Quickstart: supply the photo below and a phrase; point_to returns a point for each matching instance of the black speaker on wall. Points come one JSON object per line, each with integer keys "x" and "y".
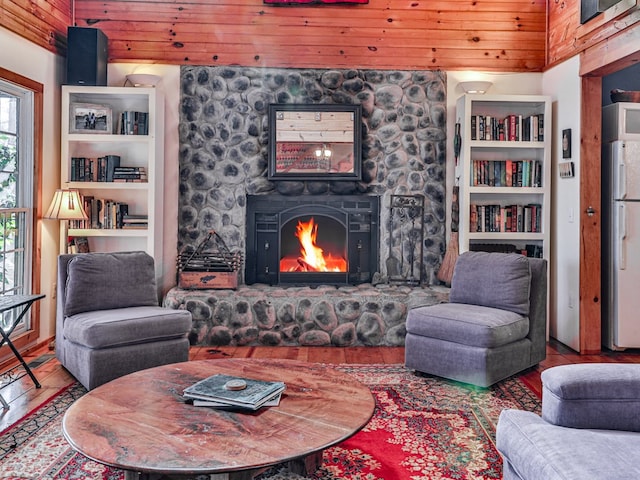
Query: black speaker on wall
{"x": 86, "y": 56}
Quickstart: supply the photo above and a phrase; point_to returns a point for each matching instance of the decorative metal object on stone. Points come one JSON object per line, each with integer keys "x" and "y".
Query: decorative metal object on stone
{"x": 214, "y": 268}
{"x": 406, "y": 239}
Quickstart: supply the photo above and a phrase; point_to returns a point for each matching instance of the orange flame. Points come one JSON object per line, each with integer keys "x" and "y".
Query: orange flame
{"x": 312, "y": 258}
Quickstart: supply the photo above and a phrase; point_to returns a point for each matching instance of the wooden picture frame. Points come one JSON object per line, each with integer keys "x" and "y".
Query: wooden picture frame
{"x": 315, "y": 142}
{"x": 90, "y": 118}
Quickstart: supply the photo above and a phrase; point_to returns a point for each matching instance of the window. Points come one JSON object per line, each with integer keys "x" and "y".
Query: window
{"x": 17, "y": 172}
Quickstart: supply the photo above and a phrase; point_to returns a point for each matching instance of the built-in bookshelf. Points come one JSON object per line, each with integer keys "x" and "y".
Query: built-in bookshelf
{"x": 112, "y": 152}
{"x": 504, "y": 173}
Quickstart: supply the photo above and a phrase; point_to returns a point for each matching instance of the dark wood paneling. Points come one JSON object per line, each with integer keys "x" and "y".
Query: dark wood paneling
{"x": 412, "y": 34}
{"x": 568, "y": 38}
{"x": 43, "y": 23}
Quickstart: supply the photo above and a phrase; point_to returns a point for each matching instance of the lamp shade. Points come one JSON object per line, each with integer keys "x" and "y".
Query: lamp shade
{"x": 66, "y": 205}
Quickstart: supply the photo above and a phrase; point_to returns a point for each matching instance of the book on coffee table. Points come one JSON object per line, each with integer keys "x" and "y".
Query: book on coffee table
{"x": 233, "y": 391}
{"x": 273, "y": 402}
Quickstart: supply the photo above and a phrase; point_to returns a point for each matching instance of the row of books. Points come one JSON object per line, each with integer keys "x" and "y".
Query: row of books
{"x": 229, "y": 392}
{"x": 100, "y": 169}
{"x": 506, "y": 173}
{"x": 108, "y": 214}
{"x": 133, "y": 123}
{"x": 104, "y": 169}
{"x": 513, "y": 128}
{"x": 529, "y": 250}
{"x": 506, "y": 218}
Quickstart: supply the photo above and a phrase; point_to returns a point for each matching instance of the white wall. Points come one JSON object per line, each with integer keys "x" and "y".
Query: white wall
{"x": 563, "y": 84}
{"x": 24, "y": 58}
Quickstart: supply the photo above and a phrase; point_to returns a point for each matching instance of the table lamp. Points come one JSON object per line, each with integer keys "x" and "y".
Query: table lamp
{"x": 66, "y": 205}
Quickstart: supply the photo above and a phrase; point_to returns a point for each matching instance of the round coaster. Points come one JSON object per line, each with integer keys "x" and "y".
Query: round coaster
{"x": 235, "y": 385}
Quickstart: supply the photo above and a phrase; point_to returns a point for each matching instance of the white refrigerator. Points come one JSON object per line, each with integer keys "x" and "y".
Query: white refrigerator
{"x": 621, "y": 242}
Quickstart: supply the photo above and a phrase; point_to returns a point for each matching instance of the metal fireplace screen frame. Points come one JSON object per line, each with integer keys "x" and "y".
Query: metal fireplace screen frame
{"x": 266, "y": 215}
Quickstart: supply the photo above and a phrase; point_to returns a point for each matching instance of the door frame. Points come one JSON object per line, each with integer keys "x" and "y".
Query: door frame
{"x": 609, "y": 56}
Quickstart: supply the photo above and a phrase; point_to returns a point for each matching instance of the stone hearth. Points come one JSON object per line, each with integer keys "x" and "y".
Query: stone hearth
{"x": 363, "y": 315}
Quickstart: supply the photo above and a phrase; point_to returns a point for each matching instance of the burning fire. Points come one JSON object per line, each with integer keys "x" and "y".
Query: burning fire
{"x": 312, "y": 257}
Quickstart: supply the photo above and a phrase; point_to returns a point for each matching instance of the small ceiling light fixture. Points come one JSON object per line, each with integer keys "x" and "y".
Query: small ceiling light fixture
{"x": 475, "y": 87}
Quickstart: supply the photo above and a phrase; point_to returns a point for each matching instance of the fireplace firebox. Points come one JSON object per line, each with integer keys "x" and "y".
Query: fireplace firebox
{"x": 311, "y": 240}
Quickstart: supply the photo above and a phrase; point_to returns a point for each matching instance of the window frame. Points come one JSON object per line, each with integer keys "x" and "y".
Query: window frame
{"x": 30, "y": 336}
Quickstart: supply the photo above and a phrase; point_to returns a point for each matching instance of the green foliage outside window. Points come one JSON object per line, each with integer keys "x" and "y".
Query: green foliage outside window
{"x": 8, "y": 220}
{"x": 8, "y": 159}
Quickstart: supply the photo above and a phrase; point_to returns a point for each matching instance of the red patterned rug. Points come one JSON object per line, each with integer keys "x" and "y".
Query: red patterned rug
{"x": 424, "y": 428}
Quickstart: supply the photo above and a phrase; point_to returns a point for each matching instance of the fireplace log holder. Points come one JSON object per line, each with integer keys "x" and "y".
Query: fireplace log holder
{"x": 217, "y": 268}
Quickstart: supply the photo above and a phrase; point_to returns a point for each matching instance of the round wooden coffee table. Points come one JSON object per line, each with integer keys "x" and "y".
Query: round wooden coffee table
{"x": 141, "y": 424}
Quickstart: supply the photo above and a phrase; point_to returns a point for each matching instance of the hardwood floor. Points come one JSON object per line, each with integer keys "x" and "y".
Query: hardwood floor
{"x": 24, "y": 397}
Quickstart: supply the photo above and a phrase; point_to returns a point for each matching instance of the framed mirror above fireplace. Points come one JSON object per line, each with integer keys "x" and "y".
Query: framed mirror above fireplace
{"x": 313, "y": 142}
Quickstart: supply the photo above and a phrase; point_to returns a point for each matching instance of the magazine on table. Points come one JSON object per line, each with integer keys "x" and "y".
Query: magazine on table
{"x": 234, "y": 391}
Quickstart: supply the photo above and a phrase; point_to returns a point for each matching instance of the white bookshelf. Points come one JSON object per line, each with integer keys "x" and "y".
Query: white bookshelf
{"x": 499, "y": 194}
{"x": 145, "y": 198}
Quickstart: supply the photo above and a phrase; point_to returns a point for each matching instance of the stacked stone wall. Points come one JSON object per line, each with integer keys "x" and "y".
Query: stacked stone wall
{"x": 223, "y": 158}
{"x": 224, "y": 139}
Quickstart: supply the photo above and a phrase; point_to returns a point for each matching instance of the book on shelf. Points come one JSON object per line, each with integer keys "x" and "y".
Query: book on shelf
{"x": 130, "y": 174}
{"x": 529, "y": 250}
{"x": 505, "y": 218}
{"x": 103, "y": 213}
{"x": 221, "y": 388}
{"x": 89, "y": 169}
{"x": 133, "y": 123}
{"x": 135, "y": 221}
{"x": 506, "y": 173}
{"x": 513, "y": 128}
{"x": 78, "y": 245}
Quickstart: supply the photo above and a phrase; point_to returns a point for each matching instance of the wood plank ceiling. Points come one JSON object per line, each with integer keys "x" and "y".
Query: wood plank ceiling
{"x": 497, "y": 35}
{"x": 404, "y": 34}
{"x": 491, "y": 35}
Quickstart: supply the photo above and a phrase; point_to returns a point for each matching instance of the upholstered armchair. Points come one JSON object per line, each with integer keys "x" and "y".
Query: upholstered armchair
{"x": 589, "y": 428}
{"x": 108, "y": 319}
{"x": 494, "y": 325}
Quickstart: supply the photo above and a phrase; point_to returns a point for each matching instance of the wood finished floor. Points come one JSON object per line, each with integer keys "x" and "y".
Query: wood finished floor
{"x": 24, "y": 397}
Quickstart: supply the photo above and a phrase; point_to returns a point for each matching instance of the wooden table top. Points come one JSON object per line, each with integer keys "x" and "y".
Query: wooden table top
{"x": 140, "y": 422}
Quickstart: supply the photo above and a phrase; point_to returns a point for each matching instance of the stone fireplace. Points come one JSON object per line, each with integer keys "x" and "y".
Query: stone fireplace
{"x": 342, "y": 229}
{"x": 224, "y": 134}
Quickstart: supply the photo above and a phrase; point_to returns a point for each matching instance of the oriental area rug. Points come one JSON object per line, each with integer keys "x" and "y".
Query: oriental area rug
{"x": 423, "y": 428}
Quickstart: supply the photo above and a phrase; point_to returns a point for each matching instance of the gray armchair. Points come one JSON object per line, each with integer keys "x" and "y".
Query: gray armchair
{"x": 589, "y": 429}
{"x": 108, "y": 319}
{"x": 494, "y": 325}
